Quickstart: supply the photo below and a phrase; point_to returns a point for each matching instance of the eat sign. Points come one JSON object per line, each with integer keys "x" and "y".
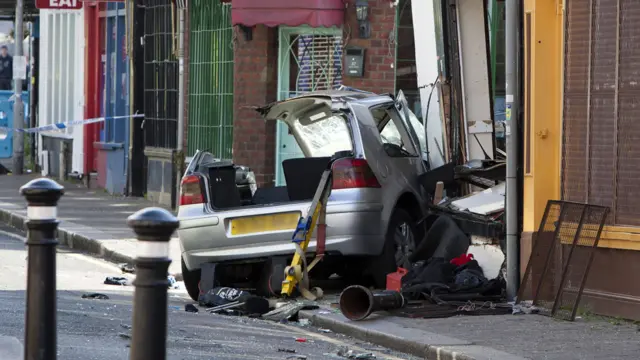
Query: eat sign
{"x": 59, "y": 4}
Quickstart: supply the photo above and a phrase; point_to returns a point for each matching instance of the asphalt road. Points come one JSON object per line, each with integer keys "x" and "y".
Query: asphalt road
{"x": 99, "y": 329}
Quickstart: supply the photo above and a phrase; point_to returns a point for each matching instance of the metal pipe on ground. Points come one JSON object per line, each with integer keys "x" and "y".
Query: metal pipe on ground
{"x": 357, "y": 302}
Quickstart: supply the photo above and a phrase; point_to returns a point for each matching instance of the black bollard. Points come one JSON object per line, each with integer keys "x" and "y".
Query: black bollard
{"x": 40, "y": 335}
{"x": 153, "y": 227}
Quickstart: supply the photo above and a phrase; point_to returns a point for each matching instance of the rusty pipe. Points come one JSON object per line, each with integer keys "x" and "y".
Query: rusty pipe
{"x": 357, "y": 302}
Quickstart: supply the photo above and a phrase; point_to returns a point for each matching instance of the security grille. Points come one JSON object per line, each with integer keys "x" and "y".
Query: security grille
{"x": 210, "y": 78}
{"x": 314, "y": 62}
{"x": 602, "y": 107}
{"x": 160, "y": 75}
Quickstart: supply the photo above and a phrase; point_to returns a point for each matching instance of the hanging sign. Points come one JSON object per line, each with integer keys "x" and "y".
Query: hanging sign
{"x": 59, "y": 4}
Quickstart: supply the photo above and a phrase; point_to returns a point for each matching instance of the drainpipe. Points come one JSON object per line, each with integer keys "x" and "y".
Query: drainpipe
{"x": 18, "y": 107}
{"x": 181, "y": 5}
{"x": 512, "y": 32}
{"x": 181, "y": 92}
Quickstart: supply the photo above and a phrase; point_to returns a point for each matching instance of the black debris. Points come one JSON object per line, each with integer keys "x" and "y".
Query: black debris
{"x": 291, "y": 351}
{"x": 96, "y": 296}
{"x": 127, "y": 268}
{"x": 124, "y": 336}
{"x": 115, "y": 280}
{"x": 190, "y": 308}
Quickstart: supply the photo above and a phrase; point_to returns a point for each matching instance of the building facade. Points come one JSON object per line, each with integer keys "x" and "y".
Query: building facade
{"x": 580, "y": 111}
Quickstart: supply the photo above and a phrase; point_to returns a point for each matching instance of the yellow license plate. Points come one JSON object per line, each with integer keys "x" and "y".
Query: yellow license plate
{"x": 264, "y": 223}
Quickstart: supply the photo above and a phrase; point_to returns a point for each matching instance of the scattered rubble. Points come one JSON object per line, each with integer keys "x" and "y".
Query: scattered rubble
{"x": 96, "y": 296}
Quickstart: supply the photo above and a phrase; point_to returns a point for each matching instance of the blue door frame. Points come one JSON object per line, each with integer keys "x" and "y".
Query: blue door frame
{"x": 6, "y": 120}
{"x": 115, "y": 134}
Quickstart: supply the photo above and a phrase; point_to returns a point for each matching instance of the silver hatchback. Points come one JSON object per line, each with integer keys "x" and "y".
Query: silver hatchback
{"x": 375, "y": 202}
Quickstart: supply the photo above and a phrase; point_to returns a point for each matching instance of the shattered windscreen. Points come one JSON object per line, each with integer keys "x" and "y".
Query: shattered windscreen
{"x": 325, "y": 137}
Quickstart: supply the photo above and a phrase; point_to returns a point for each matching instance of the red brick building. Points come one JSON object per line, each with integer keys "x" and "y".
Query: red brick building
{"x": 280, "y": 50}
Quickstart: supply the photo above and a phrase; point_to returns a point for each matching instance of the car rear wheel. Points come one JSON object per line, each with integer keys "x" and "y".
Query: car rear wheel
{"x": 191, "y": 281}
{"x": 400, "y": 243}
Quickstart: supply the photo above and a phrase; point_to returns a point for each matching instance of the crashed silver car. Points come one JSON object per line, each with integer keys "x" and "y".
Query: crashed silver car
{"x": 373, "y": 209}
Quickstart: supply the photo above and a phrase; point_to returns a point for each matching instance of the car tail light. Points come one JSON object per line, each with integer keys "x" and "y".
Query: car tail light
{"x": 353, "y": 173}
{"x": 191, "y": 191}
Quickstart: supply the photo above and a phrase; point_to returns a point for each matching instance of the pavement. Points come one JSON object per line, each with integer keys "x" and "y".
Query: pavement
{"x": 101, "y": 329}
{"x": 91, "y": 220}
{"x": 94, "y": 222}
{"x": 496, "y": 337}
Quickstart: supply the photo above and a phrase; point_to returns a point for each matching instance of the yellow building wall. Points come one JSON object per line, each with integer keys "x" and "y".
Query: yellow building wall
{"x": 543, "y": 36}
{"x": 544, "y": 57}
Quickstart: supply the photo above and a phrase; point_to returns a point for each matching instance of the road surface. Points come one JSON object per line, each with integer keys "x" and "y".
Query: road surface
{"x": 99, "y": 329}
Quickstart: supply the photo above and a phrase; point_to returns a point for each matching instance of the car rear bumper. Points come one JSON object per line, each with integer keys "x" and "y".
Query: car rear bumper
{"x": 349, "y": 233}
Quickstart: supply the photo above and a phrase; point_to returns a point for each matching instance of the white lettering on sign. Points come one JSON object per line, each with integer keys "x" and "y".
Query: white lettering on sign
{"x": 63, "y": 3}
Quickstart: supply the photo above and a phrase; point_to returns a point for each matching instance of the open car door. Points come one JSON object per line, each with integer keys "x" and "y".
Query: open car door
{"x": 416, "y": 131}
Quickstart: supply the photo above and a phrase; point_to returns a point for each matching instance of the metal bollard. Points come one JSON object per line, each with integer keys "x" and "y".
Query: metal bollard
{"x": 40, "y": 335}
{"x": 153, "y": 227}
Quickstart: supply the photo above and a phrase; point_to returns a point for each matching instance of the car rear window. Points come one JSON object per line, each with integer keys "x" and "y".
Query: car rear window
{"x": 325, "y": 137}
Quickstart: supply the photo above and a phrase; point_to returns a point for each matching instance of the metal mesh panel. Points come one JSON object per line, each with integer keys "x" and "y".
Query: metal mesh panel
{"x": 211, "y": 78}
{"x": 577, "y": 259}
{"x": 561, "y": 257}
{"x": 160, "y": 75}
{"x": 535, "y": 286}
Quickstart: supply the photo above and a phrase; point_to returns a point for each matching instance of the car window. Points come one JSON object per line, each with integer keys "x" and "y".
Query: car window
{"x": 394, "y": 137}
{"x": 325, "y": 137}
{"x": 419, "y": 128}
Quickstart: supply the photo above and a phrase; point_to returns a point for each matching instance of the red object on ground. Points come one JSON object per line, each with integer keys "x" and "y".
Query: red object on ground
{"x": 301, "y": 340}
{"x": 462, "y": 259}
{"x": 394, "y": 280}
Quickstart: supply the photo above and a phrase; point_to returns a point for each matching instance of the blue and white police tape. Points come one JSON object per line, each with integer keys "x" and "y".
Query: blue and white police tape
{"x": 4, "y": 131}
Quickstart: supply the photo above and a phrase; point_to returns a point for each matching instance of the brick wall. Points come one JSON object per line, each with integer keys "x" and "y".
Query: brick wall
{"x": 256, "y": 64}
{"x": 255, "y": 73}
{"x": 379, "y": 74}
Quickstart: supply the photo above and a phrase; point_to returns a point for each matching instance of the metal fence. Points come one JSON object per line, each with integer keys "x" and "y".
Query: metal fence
{"x": 211, "y": 73}
{"x": 160, "y": 74}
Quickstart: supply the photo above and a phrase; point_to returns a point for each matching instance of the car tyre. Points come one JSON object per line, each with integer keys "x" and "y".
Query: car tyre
{"x": 400, "y": 243}
{"x": 191, "y": 281}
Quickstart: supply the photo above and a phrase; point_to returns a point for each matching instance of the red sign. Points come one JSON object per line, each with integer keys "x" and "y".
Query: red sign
{"x": 59, "y": 4}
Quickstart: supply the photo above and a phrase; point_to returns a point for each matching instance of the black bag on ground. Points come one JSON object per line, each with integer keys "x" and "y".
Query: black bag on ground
{"x": 222, "y": 296}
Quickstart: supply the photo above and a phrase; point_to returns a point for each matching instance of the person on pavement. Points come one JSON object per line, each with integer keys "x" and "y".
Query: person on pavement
{"x": 6, "y": 68}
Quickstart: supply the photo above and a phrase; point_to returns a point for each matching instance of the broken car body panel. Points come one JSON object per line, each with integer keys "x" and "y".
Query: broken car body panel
{"x": 357, "y": 218}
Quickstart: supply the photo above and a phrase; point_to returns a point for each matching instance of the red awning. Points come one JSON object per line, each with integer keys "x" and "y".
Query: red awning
{"x": 315, "y": 13}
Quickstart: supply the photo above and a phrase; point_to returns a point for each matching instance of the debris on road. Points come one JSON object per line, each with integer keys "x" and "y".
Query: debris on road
{"x": 96, "y": 296}
{"x": 125, "y": 326}
{"x": 190, "y": 308}
{"x": 301, "y": 340}
{"x": 127, "y": 268}
{"x": 289, "y": 311}
{"x": 350, "y": 354}
{"x": 116, "y": 280}
{"x": 291, "y": 351}
{"x": 172, "y": 281}
{"x": 326, "y": 331}
{"x": 124, "y": 336}
{"x": 297, "y": 357}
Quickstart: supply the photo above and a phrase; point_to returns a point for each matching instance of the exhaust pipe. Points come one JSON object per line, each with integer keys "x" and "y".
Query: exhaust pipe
{"x": 357, "y": 302}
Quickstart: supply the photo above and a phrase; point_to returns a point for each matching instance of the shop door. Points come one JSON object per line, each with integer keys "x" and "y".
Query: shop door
{"x": 210, "y": 78}
{"x": 116, "y": 83}
{"x": 309, "y": 59}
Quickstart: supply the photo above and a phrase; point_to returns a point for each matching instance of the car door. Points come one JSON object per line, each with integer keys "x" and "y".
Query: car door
{"x": 417, "y": 134}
